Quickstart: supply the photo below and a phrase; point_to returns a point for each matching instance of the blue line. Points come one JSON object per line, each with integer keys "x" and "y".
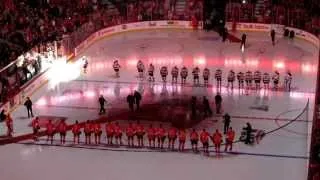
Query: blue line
{"x": 103, "y": 147}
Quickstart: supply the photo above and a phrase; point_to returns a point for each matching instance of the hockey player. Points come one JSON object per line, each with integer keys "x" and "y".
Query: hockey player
{"x": 249, "y": 79}
{"x": 140, "y": 133}
{"x": 218, "y": 77}
{"x": 116, "y": 67}
{"x": 206, "y": 75}
{"x": 257, "y": 79}
{"x": 85, "y": 63}
{"x": 184, "y": 75}
{"x": 151, "y": 71}
{"x": 130, "y": 135}
{"x": 276, "y": 78}
{"x": 62, "y": 128}
{"x": 195, "y": 73}
{"x": 87, "y": 132}
{"x": 266, "y": 80}
{"x": 240, "y": 77}
{"x": 172, "y": 136}
{"x": 194, "y": 138}
{"x": 110, "y": 133}
{"x": 287, "y": 81}
{"x": 76, "y": 132}
{"x": 217, "y": 140}
{"x": 161, "y": 136}
{"x": 9, "y": 124}
{"x": 273, "y": 36}
{"x": 182, "y": 139}
{"x": 35, "y": 126}
{"x": 174, "y": 74}
{"x": 50, "y": 131}
{"x": 97, "y": 133}
{"x": 231, "y": 78}
{"x": 164, "y": 73}
{"x": 204, "y": 138}
{"x": 151, "y": 136}
{"x": 229, "y": 139}
{"x": 243, "y": 42}
{"x": 140, "y": 68}
{"x": 118, "y": 134}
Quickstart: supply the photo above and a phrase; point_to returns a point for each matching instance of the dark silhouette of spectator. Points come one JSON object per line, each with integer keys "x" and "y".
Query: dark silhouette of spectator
{"x": 137, "y": 98}
{"x": 218, "y": 101}
{"x": 193, "y": 107}
{"x": 130, "y": 101}
{"x": 28, "y": 105}
{"x": 206, "y": 107}
{"x": 226, "y": 122}
{"x": 101, "y": 102}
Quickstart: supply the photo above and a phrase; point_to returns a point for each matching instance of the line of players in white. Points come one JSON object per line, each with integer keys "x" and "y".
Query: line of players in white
{"x": 248, "y": 77}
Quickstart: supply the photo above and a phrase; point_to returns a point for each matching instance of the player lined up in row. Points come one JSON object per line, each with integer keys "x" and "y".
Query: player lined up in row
{"x": 154, "y": 135}
{"x": 247, "y": 77}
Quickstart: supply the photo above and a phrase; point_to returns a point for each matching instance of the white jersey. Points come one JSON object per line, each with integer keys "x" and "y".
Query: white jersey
{"x": 248, "y": 76}
{"x": 116, "y": 66}
{"x": 240, "y": 76}
{"x": 231, "y": 76}
{"x": 196, "y": 72}
{"x": 151, "y": 68}
{"x": 184, "y": 72}
{"x": 288, "y": 78}
{"x": 276, "y": 77}
{"x": 175, "y": 72}
{"x": 164, "y": 71}
{"x": 140, "y": 66}
{"x": 206, "y": 73}
{"x": 266, "y": 78}
{"x": 218, "y": 74}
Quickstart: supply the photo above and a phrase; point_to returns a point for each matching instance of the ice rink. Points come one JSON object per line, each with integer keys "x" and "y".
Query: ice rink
{"x": 282, "y": 154}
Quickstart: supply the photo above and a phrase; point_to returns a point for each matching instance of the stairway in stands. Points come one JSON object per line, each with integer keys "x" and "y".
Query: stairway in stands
{"x": 180, "y": 7}
{"x": 259, "y": 8}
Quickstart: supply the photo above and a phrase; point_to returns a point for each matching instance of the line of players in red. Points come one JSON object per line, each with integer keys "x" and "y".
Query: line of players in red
{"x": 155, "y": 135}
{"x": 247, "y": 77}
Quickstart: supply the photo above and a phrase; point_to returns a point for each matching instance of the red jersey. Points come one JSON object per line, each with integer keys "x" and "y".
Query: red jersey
{"x": 194, "y": 136}
{"x": 109, "y": 129}
{"x": 140, "y": 129}
{"x": 172, "y": 133}
{"x": 217, "y": 138}
{"x": 161, "y": 132}
{"x": 76, "y": 129}
{"x": 204, "y": 137}
{"x": 182, "y": 135}
{"x": 87, "y": 128}
{"x": 35, "y": 124}
{"x": 130, "y": 131}
{"x": 97, "y": 128}
{"x": 230, "y": 135}
{"x": 117, "y": 130}
{"x": 151, "y": 132}
{"x": 50, "y": 128}
{"x": 62, "y": 127}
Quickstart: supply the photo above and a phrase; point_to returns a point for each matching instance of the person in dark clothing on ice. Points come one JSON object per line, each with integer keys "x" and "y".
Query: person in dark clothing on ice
{"x": 218, "y": 101}
{"x": 101, "y": 102}
{"x": 273, "y": 36}
{"x": 243, "y": 41}
{"x": 130, "y": 100}
{"x": 28, "y": 105}
{"x": 137, "y": 98}
{"x": 226, "y": 122}
{"x": 193, "y": 107}
{"x": 206, "y": 107}
{"x": 248, "y": 130}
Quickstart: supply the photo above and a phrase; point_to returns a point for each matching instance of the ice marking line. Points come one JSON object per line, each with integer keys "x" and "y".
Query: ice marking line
{"x": 178, "y": 84}
{"x": 103, "y": 147}
{"x": 235, "y": 117}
